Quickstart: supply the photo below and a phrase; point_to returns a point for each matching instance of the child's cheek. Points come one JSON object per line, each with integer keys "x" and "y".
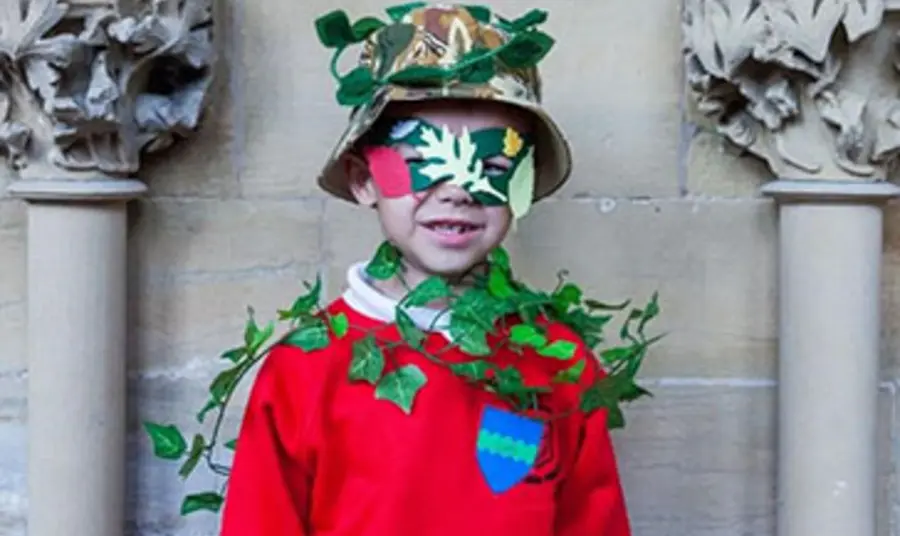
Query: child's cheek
{"x": 389, "y": 171}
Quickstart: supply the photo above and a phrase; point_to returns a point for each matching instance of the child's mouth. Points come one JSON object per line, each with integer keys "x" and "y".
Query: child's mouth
{"x": 454, "y": 233}
{"x": 452, "y": 227}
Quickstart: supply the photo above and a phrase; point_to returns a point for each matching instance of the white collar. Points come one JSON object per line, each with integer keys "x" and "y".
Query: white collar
{"x": 365, "y": 299}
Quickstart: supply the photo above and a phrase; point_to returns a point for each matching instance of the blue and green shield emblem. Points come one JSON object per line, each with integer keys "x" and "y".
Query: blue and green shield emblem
{"x": 507, "y": 447}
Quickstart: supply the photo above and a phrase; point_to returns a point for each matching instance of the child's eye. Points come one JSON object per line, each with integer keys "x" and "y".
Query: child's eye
{"x": 494, "y": 169}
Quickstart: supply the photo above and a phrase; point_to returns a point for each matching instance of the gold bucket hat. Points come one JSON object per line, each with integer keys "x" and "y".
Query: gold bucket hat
{"x": 441, "y": 52}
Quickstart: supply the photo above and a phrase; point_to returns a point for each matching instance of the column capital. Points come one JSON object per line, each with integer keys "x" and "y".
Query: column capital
{"x": 805, "y": 94}
{"x": 89, "y": 87}
{"x": 859, "y": 192}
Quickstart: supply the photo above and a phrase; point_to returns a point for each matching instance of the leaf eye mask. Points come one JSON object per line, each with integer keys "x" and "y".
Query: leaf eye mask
{"x": 459, "y": 160}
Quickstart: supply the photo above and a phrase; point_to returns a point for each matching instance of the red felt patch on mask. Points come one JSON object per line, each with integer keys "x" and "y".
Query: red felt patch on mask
{"x": 389, "y": 171}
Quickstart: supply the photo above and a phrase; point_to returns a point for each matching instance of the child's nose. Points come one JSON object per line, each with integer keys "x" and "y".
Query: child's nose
{"x": 446, "y": 192}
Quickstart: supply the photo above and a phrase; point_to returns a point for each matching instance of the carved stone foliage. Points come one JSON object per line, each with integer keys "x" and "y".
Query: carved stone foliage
{"x": 768, "y": 74}
{"x": 89, "y": 86}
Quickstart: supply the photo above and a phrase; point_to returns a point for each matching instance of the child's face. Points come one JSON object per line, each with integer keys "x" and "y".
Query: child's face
{"x": 447, "y": 227}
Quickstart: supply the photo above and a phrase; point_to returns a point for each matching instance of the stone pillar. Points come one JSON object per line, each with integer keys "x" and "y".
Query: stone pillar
{"x": 78, "y": 111}
{"x": 76, "y": 346}
{"x": 828, "y": 126}
{"x": 830, "y": 246}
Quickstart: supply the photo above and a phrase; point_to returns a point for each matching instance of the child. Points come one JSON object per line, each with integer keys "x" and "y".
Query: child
{"x": 447, "y": 398}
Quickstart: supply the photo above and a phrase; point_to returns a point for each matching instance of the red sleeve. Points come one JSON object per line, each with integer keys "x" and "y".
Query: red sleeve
{"x": 591, "y": 499}
{"x": 269, "y": 485}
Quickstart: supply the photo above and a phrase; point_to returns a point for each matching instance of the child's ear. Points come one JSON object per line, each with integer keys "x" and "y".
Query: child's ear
{"x": 361, "y": 185}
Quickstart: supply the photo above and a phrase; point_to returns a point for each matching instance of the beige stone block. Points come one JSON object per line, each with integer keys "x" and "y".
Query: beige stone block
{"x": 716, "y": 169}
{"x": 700, "y": 459}
{"x": 12, "y": 285}
{"x": 614, "y": 82}
{"x": 173, "y": 237}
{"x": 291, "y": 119}
{"x": 713, "y": 264}
{"x": 351, "y": 234}
{"x": 183, "y": 326}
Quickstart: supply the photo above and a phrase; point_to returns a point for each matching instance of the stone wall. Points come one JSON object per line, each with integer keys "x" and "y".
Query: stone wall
{"x": 234, "y": 219}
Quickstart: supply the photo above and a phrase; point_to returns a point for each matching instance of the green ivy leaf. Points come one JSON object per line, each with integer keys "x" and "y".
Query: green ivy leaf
{"x": 365, "y": 27}
{"x": 470, "y": 336}
{"x": 334, "y": 30}
{"x": 211, "y": 404}
{"x": 410, "y": 333}
{"x": 196, "y": 452}
{"x": 593, "y": 398}
{"x": 500, "y": 257}
{"x": 305, "y": 304}
{"x": 231, "y": 445}
{"x": 601, "y": 306}
{"x": 559, "y": 349}
{"x": 168, "y": 443}
{"x": 386, "y": 262}
{"x": 615, "y": 418}
{"x": 526, "y": 49}
{"x": 616, "y": 354}
{"x": 419, "y": 75}
{"x": 209, "y": 501}
{"x": 499, "y": 284}
{"x": 224, "y": 383}
{"x": 356, "y": 87}
{"x": 429, "y": 290}
{"x": 401, "y": 386}
{"x": 568, "y": 295}
{"x": 309, "y": 337}
{"x": 527, "y": 335}
{"x": 235, "y": 354}
{"x": 572, "y": 374}
{"x": 474, "y": 370}
{"x": 397, "y": 12}
{"x": 340, "y": 324}
{"x": 631, "y": 391}
{"x": 367, "y": 363}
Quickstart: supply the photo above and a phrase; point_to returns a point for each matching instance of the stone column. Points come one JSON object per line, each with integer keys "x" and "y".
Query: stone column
{"x": 802, "y": 92}
{"x": 78, "y": 111}
{"x": 830, "y": 256}
{"x": 76, "y": 347}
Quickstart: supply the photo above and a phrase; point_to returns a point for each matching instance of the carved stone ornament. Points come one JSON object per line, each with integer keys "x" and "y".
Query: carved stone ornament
{"x": 89, "y": 86}
{"x": 770, "y": 75}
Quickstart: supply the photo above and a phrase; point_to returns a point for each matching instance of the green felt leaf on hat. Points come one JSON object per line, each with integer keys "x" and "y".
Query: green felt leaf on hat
{"x": 356, "y": 87}
{"x": 476, "y": 66}
{"x": 334, "y": 29}
{"x": 397, "y": 12}
{"x": 479, "y": 13}
{"x": 391, "y": 43}
{"x": 419, "y": 74}
{"x": 365, "y": 27}
{"x": 532, "y": 18}
{"x": 526, "y": 49}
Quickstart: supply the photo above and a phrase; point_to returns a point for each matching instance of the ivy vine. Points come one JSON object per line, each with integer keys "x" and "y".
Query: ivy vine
{"x": 481, "y": 310}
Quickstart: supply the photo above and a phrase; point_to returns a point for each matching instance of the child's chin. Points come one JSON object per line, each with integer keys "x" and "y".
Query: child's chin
{"x": 453, "y": 265}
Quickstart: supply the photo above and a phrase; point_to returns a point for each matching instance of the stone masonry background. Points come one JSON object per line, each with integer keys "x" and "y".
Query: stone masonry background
{"x": 234, "y": 219}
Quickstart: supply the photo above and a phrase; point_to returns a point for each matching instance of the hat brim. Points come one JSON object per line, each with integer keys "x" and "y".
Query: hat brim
{"x": 553, "y": 157}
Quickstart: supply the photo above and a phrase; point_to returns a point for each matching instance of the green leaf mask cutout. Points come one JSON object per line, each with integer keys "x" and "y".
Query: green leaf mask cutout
{"x": 461, "y": 160}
